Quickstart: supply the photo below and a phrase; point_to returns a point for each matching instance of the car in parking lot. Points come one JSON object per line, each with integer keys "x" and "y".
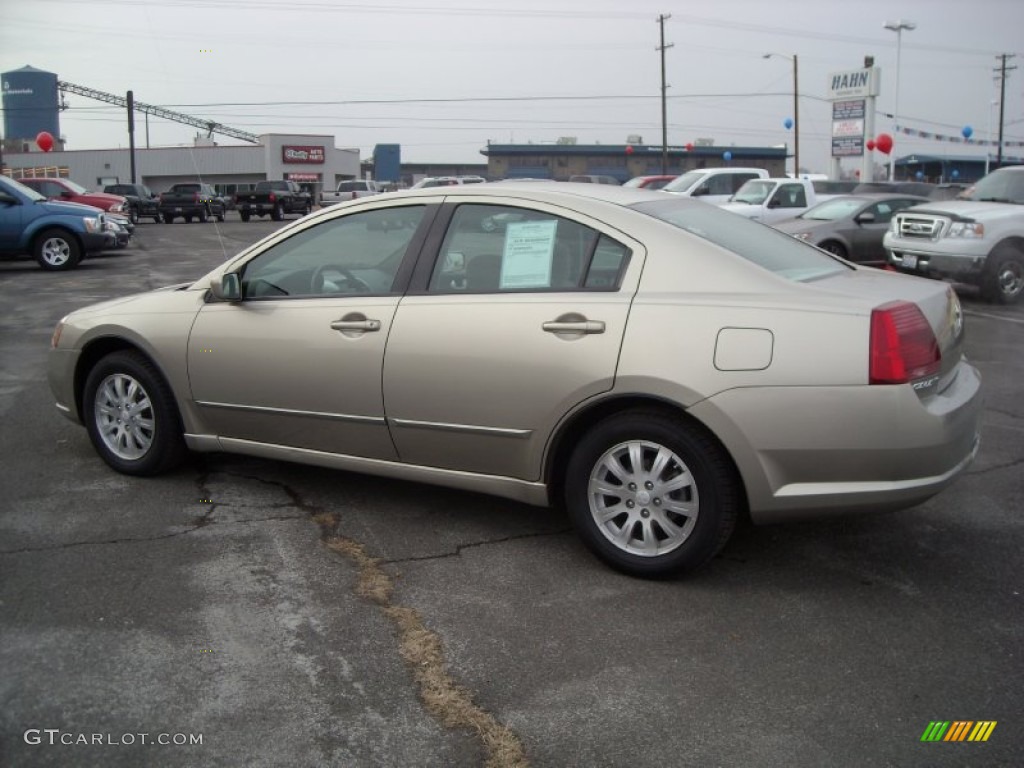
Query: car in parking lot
{"x": 56, "y": 234}
{"x": 447, "y": 181}
{"x": 70, "y": 192}
{"x": 659, "y": 366}
{"x": 142, "y": 201}
{"x": 649, "y": 182}
{"x": 850, "y": 226}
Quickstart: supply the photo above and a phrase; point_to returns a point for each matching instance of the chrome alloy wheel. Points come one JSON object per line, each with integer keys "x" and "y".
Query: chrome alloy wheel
{"x": 56, "y": 251}
{"x": 643, "y": 498}
{"x": 1010, "y": 278}
{"x": 124, "y": 416}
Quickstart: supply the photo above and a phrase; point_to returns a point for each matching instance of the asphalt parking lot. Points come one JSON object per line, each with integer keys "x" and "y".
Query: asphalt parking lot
{"x": 290, "y": 615}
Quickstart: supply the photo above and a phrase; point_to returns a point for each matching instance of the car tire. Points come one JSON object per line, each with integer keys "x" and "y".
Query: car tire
{"x": 188, "y": 219}
{"x": 220, "y": 216}
{"x": 133, "y": 214}
{"x": 671, "y": 514}
{"x": 244, "y": 215}
{"x": 204, "y": 216}
{"x": 278, "y": 213}
{"x": 157, "y": 219}
{"x": 1003, "y": 279}
{"x": 131, "y": 416}
{"x": 56, "y": 249}
{"x": 168, "y": 218}
{"x": 836, "y": 249}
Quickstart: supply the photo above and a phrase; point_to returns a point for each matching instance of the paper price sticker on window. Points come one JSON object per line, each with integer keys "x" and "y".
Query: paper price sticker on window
{"x": 526, "y": 262}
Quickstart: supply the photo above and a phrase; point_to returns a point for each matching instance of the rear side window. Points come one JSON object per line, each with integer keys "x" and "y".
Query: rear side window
{"x": 500, "y": 249}
{"x": 768, "y": 248}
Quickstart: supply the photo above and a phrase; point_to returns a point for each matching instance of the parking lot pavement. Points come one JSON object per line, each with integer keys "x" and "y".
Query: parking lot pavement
{"x": 289, "y": 614}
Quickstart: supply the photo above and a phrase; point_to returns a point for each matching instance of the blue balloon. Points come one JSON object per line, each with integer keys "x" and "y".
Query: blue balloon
{"x": 919, "y": 175}
{"x": 727, "y": 155}
{"x": 955, "y": 174}
{"x": 788, "y": 122}
{"x": 967, "y": 131}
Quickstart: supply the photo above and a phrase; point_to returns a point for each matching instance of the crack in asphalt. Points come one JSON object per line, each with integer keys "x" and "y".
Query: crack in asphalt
{"x": 486, "y": 542}
{"x": 995, "y": 468}
{"x": 449, "y": 702}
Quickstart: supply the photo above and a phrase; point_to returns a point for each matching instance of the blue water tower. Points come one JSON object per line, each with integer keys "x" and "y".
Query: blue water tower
{"x": 387, "y": 162}
{"x": 31, "y": 104}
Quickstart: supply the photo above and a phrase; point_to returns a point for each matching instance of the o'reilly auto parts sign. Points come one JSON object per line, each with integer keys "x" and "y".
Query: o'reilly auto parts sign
{"x": 302, "y": 154}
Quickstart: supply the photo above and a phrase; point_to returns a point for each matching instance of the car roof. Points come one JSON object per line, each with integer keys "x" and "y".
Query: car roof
{"x": 553, "y": 191}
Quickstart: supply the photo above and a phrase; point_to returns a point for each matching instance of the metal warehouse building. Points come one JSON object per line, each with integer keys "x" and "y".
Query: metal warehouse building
{"x": 311, "y": 160}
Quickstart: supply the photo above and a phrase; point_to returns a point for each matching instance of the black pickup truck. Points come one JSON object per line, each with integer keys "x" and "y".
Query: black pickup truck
{"x": 142, "y": 203}
{"x": 191, "y": 200}
{"x": 275, "y": 198}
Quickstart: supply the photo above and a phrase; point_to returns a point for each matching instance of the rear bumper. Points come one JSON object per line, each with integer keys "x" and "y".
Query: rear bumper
{"x": 807, "y": 452}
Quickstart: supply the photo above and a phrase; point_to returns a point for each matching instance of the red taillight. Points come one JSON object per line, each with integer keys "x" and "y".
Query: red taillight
{"x": 903, "y": 345}
{"x": 195, "y": 197}
{"x": 272, "y": 198}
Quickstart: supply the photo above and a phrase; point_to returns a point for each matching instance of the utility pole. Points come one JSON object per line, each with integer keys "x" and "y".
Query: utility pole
{"x": 664, "y": 87}
{"x": 131, "y": 131}
{"x": 1003, "y": 69}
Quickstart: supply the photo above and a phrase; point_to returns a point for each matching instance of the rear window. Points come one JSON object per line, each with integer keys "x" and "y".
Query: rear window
{"x": 768, "y": 248}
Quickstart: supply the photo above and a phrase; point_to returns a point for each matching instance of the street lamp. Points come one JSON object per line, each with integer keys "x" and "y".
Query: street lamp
{"x": 796, "y": 111}
{"x": 897, "y": 27}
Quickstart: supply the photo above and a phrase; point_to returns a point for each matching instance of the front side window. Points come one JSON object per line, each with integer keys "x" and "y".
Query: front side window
{"x": 356, "y": 254}
{"x": 497, "y": 249}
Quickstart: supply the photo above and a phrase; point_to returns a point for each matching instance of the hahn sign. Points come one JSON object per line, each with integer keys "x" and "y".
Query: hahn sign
{"x": 855, "y": 84}
{"x": 302, "y": 154}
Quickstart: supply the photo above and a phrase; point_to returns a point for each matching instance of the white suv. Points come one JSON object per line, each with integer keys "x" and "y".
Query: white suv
{"x": 447, "y": 181}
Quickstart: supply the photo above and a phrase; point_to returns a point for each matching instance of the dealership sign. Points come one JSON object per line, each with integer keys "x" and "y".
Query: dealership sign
{"x": 855, "y": 84}
{"x": 302, "y": 154}
{"x": 848, "y": 127}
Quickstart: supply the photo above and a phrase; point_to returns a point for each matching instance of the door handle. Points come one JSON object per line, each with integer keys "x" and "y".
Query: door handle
{"x": 356, "y": 325}
{"x": 579, "y": 326}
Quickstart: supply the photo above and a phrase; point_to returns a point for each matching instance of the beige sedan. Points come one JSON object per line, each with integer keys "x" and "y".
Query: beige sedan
{"x": 656, "y": 364}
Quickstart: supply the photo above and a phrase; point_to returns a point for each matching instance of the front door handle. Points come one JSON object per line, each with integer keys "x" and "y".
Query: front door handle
{"x": 574, "y": 326}
{"x": 356, "y": 325}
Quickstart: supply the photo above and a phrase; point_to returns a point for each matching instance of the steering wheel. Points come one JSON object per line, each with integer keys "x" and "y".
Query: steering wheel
{"x": 351, "y": 284}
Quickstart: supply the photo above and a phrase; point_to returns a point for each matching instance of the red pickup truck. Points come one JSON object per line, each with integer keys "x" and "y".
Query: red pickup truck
{"x": 69, "y": 192}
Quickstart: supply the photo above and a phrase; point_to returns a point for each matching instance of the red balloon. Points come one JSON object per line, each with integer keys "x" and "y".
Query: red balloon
{"x": 44, "y": 141}
{"x": 629, "y": 149}
{"x": 870, "y": 144}
{"x": 884, "y": 143}
{"x": 689, "y": 147}
{"x": 857, "y": 174}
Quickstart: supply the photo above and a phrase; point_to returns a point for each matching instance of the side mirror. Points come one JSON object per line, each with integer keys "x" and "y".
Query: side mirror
{"x": 865, "y": 218}
{"x": 703, "y": 189}
{"x": 226, "y": 287}
{"x": 774, "y": 203}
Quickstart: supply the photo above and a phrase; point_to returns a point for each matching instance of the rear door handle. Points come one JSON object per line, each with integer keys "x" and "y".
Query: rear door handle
{"x": 580, "y": 326}
{"x": 356, "y": 325}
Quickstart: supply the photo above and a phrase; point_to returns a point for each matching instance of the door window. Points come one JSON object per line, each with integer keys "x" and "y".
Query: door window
{"x": 356, "y": 254}
{"x": 492, "y": 248}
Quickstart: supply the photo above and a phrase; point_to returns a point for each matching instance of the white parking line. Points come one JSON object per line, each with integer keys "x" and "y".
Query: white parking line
{"x": 1018, "y": 320}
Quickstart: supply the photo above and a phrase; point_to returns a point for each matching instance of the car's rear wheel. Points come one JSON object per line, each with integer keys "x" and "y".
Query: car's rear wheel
{"x": 204, "y": 214}
{"x": 220, "y": 215}
{"x": 836, "y": 249}
{"x": 188, "y": 219}
{"x": 168, "y": 218}
{"x": 244, "y": 215}
{"x": 131, "y": 415}
{"x": 278, "y": 212}
{"x": 650, "y": 494}
{"x": 56, "y": 249}
{"x": 1003, "y": 280}
{"x": 133, "y": 214}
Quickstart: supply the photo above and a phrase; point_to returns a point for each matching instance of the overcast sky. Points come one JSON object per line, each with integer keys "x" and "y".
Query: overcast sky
{"x": 582, "y": 68}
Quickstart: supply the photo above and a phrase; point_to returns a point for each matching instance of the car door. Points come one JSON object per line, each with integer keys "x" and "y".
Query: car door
{"x": 866, "y": 237}
{"x": 516, "y": 319}
{"x": 297, "y": 361}
{"x": 11, "y": 222}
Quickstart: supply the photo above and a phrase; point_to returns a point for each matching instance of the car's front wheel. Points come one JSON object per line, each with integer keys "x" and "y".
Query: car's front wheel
{"x": 278, "y": 212}
{"x": 130, "y": 414}
{"x": 56, "y": 249}
{"x": 650, "y": 494}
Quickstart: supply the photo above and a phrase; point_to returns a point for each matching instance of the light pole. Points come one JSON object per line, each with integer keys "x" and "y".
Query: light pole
{"x": 988, "y": 135}
{"x": 796, "y": 110}
{"x": 897, "y": 26}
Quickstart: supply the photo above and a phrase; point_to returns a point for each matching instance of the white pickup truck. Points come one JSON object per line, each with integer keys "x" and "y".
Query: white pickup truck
{"x": 772, "y": 200}
{"x": 978, "y": 240}
{"x": 351, "y": 189}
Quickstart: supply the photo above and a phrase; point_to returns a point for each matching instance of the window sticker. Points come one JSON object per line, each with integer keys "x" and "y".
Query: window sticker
{"x": 526, "y": 262}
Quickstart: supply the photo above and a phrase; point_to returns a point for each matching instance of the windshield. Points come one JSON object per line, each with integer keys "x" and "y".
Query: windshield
{"x": 831, "y": 210}
{"x": 28, "y": 192}
{"x": 768, "y": 248}
{"x": 78, "y": 189}
{"x": 684, "y": 182}
{"x": 1003, "y": 186}
{"x": 753, "y": 192}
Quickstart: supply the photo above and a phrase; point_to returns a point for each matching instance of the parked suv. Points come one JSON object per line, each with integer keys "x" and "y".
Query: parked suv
{"x": 142, "y": 202}
{"x": 56, "y": 234}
